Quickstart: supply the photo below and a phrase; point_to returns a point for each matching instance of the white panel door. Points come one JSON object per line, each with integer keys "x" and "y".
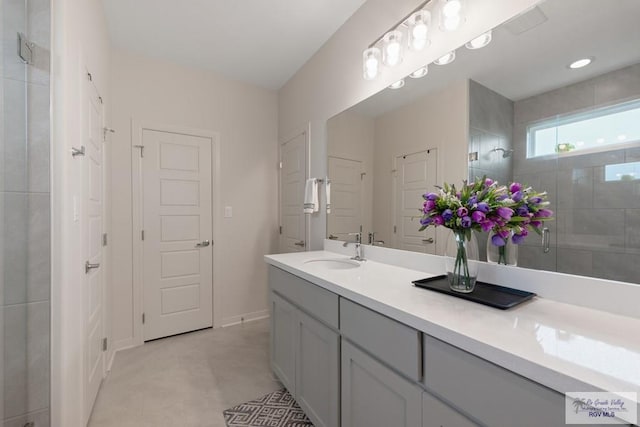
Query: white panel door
{"x": 293, "y": 173}
{"x": 346, "y": 197}
{"x": 92, "y": 211}
{"x": 177, "y": 233}
{"x": 415, "y": 175}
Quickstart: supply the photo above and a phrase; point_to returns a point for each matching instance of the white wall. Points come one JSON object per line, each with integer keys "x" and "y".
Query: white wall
{"x": 162, "y": 93}
{"x": 331, "y": 81}
{"x": 439, "y": 120}
{"x": 79, "y": 40}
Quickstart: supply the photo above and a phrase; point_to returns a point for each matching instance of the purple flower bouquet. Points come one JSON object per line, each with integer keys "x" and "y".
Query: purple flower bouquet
{"x": 483, "y": 205}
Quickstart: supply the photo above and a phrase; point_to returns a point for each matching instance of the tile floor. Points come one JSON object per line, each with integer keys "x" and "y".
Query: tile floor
{"x": 187, "y": 380}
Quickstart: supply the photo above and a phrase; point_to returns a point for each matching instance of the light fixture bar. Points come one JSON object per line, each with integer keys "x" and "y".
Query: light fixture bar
{"x": 401, "y": 22}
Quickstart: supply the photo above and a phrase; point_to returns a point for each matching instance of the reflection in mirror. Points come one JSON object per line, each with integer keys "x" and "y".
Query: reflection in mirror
{"x": 515, "y": 110}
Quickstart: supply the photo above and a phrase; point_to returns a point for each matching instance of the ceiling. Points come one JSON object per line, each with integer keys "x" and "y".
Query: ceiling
{"x": 535, "y": 61}
{"x": 258, "y": 42}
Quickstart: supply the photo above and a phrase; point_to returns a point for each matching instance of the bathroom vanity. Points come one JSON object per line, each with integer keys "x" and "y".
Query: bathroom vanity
{"x": 358, "y": 345}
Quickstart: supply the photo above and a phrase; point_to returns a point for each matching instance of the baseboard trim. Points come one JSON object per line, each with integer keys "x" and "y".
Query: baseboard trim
{"x": 243, "y": 318}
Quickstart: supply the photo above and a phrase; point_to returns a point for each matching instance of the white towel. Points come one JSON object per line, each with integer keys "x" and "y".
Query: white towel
{"x": 311, "y": 196}
{"x": 328, "y": 195}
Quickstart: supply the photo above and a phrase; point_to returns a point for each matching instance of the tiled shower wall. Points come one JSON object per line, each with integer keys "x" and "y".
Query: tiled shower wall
{"x": 597, "y": 227}
{"x": 25, "y": 216}
{"x": 490, "y": 126}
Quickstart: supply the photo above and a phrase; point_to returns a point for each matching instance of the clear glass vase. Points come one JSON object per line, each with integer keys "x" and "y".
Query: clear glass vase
{"x": 461, "y": 260}
{"x": 505, "y": 255}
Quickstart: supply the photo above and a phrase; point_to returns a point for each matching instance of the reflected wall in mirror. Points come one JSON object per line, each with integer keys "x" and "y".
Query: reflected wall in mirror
{"x": 514, "y": 110}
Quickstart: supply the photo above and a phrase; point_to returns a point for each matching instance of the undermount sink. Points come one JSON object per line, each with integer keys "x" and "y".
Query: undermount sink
{"x": 333, "y": 263}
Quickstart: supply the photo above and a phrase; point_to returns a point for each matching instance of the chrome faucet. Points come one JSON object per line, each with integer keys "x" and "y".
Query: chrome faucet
{"x": 358, "y": 244}
{"x": 373, "y": 241}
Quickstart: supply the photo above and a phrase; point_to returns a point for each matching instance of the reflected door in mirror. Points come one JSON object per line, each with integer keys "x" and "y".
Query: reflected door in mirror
{"x": 346, "y": 194}
{"x": 293, "y": 172}
{"x": 415, "y": 174}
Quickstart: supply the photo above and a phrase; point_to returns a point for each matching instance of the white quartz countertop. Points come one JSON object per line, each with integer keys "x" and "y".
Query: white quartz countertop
{"x": 562, "y": 346}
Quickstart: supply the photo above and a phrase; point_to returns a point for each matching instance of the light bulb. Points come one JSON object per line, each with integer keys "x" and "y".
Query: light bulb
{"x": 397, "y": 85}
{"x": 446, "y": 58}
{"x": 418, "y": 24}
{"x": 480, "y": 41}
{"x": 420, "y": 72}
{"x": 452, "y": 8}
{"x": 451, "y": 23}
{"x": 392, "y": 48}
{"x": 580, "y": 63}
{"x": 371, "y": 63}
{"x": 451, "y": 14}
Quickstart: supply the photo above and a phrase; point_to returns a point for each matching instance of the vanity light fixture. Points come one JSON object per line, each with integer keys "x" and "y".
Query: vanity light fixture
{"x": 580, "y": 63}
{"x": 451, "y": 14}
{"x": 420, "y": 72}
{"x": 418, "y": 27}
{"x": 397, "y": 85}
{"x": 445, "y": 59}
{"x": 392, "y": 48}
{"x": 371, "y": 63}
{"x": 480, "y": 41}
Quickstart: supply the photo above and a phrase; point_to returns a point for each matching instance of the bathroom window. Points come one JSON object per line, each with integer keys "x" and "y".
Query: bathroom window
{"x": 601, "y": 129}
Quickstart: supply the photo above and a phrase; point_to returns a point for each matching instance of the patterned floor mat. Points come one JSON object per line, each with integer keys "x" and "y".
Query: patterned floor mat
{"x": 277, "y": 409}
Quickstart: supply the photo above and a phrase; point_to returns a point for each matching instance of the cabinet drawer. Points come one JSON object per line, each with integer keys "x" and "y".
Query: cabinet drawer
{"x": 392, "y": 342}
{"x": 320, "y": 303}
{"x": 492, "y": 395}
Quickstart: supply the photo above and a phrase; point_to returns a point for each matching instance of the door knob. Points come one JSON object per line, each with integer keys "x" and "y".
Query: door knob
{"x": 429, "y": 240}
{"x": 88, "y": 267}
{"x": 300, "y": 243}
{"x": 203, "y": 244}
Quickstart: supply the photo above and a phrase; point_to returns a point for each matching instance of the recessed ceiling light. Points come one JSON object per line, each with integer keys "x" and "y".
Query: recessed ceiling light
{"x": 580, "y": 63}
{"x": 397, "y": 85}
{"x": 420, "y": 72}
{"x": 446, "y": 58}
{"x": 622, "y": 137}
{"x": 480, "y": 41}
{"x": 580, "y": 143}
{"x": 600, "y": 140}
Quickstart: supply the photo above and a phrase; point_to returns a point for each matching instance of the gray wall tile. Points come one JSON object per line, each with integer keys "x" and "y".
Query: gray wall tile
{"x": 15, "y": 136}
{"x": 615, "y": 194}
{"x": 39, "y": 418}
{"x": 632, "y": 228}
{"x": 26, "y": 358}
{"x": 27, "y": 264}
{"x": 575, "y": 261}
{"x": 616, "y": 266}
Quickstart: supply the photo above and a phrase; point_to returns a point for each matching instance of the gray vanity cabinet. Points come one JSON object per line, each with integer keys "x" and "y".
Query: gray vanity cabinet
{"x": 437, "y": 414}
{"x": 374, "y": 395}
{"x": 283, "y": 346}
{"x": 317, "y": 371}
{"x": 305, "y": 345}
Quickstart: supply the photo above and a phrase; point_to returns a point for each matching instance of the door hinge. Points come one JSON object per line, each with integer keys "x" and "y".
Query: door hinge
{"x": 280, "y": 165}
{"x": 141, "y": 147}
{"x": 395, "y": 229}
{"x": 90, "y": 77}
{"x": 25, "y": 49}
{"x": 104, "y": 344}
{"x": 104, "y": 239}
{"x": 280, "y": 229}
{"x": 143, "y": 318}
{"x": 142, "y": 234}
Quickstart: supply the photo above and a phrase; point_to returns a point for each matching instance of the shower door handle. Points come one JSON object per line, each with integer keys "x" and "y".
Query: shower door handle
{"x": 546, "y": 240}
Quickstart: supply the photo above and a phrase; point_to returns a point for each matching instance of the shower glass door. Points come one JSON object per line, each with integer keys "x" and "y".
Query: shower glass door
{"x": 25, "y": 213}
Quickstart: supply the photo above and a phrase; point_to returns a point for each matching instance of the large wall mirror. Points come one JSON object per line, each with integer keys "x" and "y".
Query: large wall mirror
{"x": 514, "y": 110}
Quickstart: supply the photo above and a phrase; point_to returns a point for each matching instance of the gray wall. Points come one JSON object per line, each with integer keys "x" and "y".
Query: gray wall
{"x": 24, "y": 216}
{"x": 597, "y": 227}
{"x": 490, "y": 126}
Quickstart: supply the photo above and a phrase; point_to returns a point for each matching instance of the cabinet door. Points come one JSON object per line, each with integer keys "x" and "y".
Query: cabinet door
{"x": 317, "y": 371}
{"x": 437, "y": 414}
{"x": 283, "y": 334}
{"x": 375, "y": 396}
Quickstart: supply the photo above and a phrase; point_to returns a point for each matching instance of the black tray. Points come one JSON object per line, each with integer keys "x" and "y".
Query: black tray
{"x": 484, "y": 293}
